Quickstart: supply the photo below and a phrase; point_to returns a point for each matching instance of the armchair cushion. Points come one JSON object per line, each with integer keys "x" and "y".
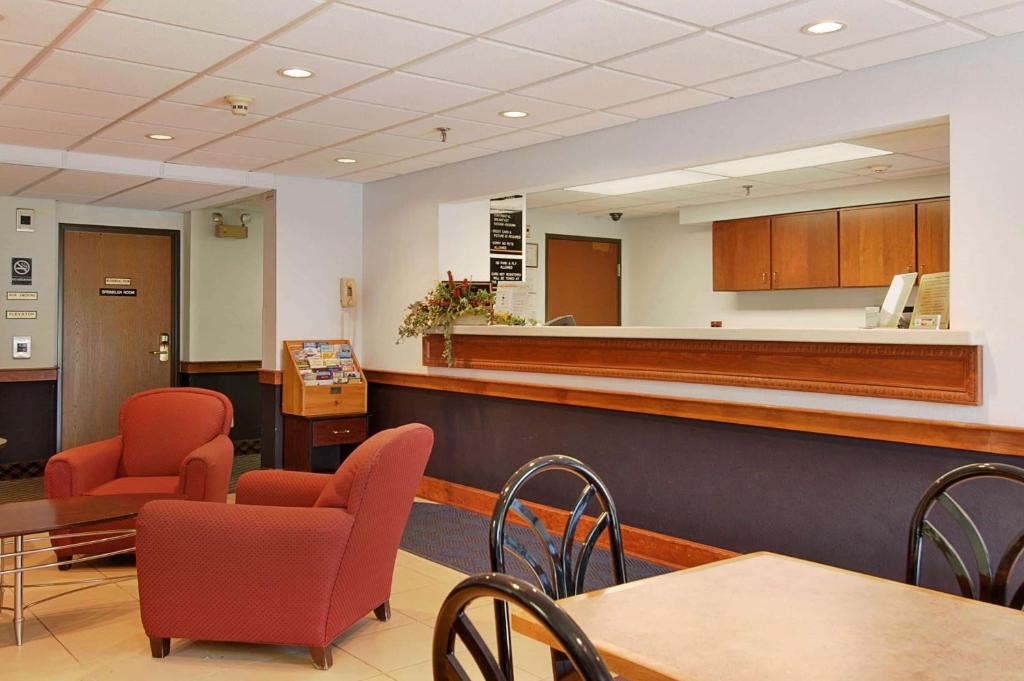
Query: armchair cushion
{"x": 75, "y": 471}
{"x": 280, "y": 488}
{"x": 154, "y": 484}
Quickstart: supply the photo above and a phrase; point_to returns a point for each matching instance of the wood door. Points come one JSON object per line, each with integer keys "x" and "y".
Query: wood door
{"x": 933, "y": 236}
{"x": 742, "y": 254}
{"x": 876, "y": 243}
{"x": 582, "y": 279}
{"x": 805, "y": 250}
{"x": 109, "y": 341}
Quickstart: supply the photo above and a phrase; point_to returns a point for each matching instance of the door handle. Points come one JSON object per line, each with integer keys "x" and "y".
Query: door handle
{"x": 165, "y": 348}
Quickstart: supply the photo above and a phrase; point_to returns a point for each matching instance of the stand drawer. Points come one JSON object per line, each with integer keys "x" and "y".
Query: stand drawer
{"x": 339, "y": 431}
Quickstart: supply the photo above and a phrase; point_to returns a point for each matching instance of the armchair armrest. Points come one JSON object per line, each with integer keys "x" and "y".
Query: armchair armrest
{"x": 206, "y": 472}
{"x": 280, "y": 488}
{"x": 75, "y": 471}
{"x": 225, "y": 572}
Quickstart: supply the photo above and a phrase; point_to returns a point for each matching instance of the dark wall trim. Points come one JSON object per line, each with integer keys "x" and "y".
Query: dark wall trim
{"x": 221, "y": 367}
{"x": 28, "y": 375}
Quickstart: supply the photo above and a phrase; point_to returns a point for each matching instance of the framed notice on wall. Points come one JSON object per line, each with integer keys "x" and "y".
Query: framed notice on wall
{"x": 507, "y": 224}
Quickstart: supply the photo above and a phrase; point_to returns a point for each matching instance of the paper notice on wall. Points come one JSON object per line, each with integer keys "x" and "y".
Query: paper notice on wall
{"x": 511, "y": 297}
{"x": 532, "y": 307}
{"x": 933, "y": 297}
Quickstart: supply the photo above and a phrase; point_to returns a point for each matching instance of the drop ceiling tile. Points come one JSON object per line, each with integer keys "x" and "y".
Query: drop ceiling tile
{"x": 896, "y": 162}
{"x": 267, "y": 101}
{"x": 456, "y": 154}
{"x": 322, "y": 164}
{"x": 406, "y": 91}
{"x": 799, "y": 176}
{"x": 652, "y": 209}
{"x": 259, "y": 148}
{"x": 329, "y": 75}
{"x": 49, "y": 121}
{"x": 349, "y": 114}
{"x": 939, "y": 170}
{"x": 460, "y": 131}
{"x": 366, "y": 176}
{"x": 595, "y": 120}
{"x": 469, "y": 16}
{"x": 596, "y": 88}
{"x": 196, "y": 117}
{"x": 699, "y": 59}
{"x": 66, "y": 99}
{"x": 138, "y": 201}
{"x": 350, "y": 33}
{"x": 703, "y": 13}
{"x": 83, "y": 186}
{"x": 961, "y": 8}
{"x": 669, "y": 195}
{"x": 902, "y": 46}
{"x": 554, "y": 197}
{"x": 591, "y": 30}
{"x": 908, "y": 141}
{"x": 409, "y": 165}
{"x": 110, "y": 75}
{"x": 241, "y": 18}
{"x": 541, "y": 111}
{"x": 612, "y": 202}
{"x": 663, "y": 104}
{"x": 507, "y": 66}
{"x": 364, "y": 159}
{"x": 1001, "y": 21}
{"x": 14, "y": 177}
{"x": 37, "y": 138}
{"x": 394, "y": 145}
{"x": 847, "y": 181}
{"x": 153, "y": 152}
{"x": 14, "y": 56}
{"x": 732, "y": 186}
{"x": 219, "y": 160}
{"x": 301, "y": 132}
{"x": 521, "y": 138}
{"x": 179, "y": 188}
{"x": 135, "y": 132}
{"x": 865, "y": 20}
{"x": 36, "y": 22}
{"x": 771, "y": 78}
{"x": 563, "y": 208}
{"x": 941, "y": 154}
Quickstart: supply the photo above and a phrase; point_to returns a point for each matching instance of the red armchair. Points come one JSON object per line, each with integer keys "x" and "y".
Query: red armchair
{"x": 296, "y": 561}
{"x": 172, "y": 440}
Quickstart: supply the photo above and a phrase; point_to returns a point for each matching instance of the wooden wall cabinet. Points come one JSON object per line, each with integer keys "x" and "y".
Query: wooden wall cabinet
{"x": 876, "y": 243}
{"x": 933, "y": 236}
{"x": 742, "y": 254}
{"x": 805, "y": 250}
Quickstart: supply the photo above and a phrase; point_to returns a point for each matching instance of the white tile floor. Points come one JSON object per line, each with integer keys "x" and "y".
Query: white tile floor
{"x": 97, "y": 634}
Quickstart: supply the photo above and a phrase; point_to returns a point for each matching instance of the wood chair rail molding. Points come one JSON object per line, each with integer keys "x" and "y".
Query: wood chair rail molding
{"x": 651, "y": 546}
{"x": 949, "y": 374}
{"x": 271, "y": 377}
{"x": 221, "y": 367}
{"x": 28, "y": 375}
{"x": 974, "y": 437}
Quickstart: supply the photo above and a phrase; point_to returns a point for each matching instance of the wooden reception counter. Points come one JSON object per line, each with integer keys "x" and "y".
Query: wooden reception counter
{"x": 932, "y": 366}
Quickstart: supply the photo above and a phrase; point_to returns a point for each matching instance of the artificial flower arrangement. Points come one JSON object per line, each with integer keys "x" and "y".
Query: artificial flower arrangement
{"x": 448, "y": 303}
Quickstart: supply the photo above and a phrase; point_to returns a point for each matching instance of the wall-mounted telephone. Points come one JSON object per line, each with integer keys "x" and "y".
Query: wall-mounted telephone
{"x": 348, "y": 292}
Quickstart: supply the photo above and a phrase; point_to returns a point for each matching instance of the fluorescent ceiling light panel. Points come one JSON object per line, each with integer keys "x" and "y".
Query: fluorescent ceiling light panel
{"x": 791, "y": 160}
{"x": 643, "y": 183}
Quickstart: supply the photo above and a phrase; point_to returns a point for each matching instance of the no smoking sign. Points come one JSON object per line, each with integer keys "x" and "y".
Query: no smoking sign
{"x": 21, "y": 271}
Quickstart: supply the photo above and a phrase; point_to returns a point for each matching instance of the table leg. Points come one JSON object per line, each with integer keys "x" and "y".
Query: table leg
{"x": 19, "y": 577}
{"x": 3, "y": 578}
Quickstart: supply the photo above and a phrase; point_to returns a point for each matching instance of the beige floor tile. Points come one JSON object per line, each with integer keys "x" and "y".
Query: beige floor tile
{"x": 370, "y": 624}
{"x": 406, "y": 578}
{"x": 421, "y": 604}
{"x": 424, "y": 671}
{"x": 393, "y": 648}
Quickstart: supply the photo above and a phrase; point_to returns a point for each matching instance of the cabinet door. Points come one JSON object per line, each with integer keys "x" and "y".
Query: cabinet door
{"x": 933, "y": 236}
{"x": 805, "y": 250}
{"x": 742, "y": 253}
{"x": 876, "y": 243}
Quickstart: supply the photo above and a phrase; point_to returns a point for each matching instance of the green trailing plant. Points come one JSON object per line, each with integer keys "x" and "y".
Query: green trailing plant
{"x": 448, "y": 302}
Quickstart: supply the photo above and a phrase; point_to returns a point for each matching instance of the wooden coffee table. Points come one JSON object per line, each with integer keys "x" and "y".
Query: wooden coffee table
{"x": 20, "y": 519}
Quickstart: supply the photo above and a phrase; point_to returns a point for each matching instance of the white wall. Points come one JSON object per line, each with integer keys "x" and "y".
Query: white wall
{"x": 224, "y": 291}
{"x": 977, "y": 86}
{"x": 463, "y": 243}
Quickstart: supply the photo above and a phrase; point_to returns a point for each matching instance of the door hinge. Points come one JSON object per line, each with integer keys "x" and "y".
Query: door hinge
{"x": 618, "y": 270}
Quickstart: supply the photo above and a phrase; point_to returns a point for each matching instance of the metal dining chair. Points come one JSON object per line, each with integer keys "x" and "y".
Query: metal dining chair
{"x": 993, "y": 577}
{"x": 562, "y": 570}
{"x": 453, "y": 623}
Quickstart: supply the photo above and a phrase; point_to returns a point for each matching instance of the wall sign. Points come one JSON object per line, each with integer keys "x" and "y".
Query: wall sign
{"x": 21, "y": 271}
{"x": 117, "y": 281}
{"x": 506, "y": 269}
{"x": 22, "y": 295}
{"x": 121, "y": 292}
{"x": 22, "y": 314}
{"x": 507, "y": 225}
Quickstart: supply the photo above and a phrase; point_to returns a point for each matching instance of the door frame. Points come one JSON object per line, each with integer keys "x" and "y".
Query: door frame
{"x": 577, "y": 237}
{"x": 65, "y": 227}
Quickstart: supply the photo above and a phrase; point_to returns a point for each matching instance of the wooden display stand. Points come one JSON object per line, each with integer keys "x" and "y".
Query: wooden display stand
{"x": 315, "y": 414}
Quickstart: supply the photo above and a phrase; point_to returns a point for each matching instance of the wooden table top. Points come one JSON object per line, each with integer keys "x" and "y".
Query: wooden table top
{"x": 29, "y": 517}
{"x": 766, "y": 617}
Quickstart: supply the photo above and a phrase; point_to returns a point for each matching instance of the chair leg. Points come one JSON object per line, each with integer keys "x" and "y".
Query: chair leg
{"x": 159, "y": 647}
{"x": 63, "y": 563}
{"x": 383, "y": 611}
{"x": 321, "y": 655}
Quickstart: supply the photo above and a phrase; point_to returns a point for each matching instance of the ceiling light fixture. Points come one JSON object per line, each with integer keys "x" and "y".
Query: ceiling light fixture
{"x": 823, "y": 27}
{"x": 791, "y": 160}
{"x": 880, "y": 168}
{"x": 514, "y": 114}
{"x": 345, "y": 160}
{"x": 160, "y": 137}
{"x": 643, "y": 183}
{"x": 295, "y": 72}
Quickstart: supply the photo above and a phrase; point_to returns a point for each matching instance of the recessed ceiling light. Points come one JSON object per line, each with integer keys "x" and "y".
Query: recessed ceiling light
{"x": 345, "y": 160}
{"x": 643, "y": 183}
{"x": 296, "y": 72}
{"x": 514, "y": 114}
{"x": 791, "y": 160}
{"x": 160, "y": 137}
{"x": 823, "y": 27}
{"x": 881, "y": 168}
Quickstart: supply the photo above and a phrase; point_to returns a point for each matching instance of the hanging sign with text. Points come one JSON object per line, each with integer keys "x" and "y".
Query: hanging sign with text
{"x": 506, "y": 269}
{"x": 507, "y": 225}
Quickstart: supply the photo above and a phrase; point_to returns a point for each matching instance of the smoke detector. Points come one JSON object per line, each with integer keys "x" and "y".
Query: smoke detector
{"x": 239, "y": 104}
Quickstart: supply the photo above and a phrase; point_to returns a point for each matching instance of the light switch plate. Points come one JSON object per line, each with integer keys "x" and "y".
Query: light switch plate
{"x": 25, "y": 219}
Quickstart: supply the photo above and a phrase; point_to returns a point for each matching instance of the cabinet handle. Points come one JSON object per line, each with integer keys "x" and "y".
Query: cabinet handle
{"x": 910, "y": 268}
{"x": 775, "y": 276}
{"x": 764, "y": 277}
{"x": 341, "y": 432}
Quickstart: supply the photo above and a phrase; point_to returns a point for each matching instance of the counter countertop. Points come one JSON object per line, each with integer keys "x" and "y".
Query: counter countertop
{"x": 885, "y": 336}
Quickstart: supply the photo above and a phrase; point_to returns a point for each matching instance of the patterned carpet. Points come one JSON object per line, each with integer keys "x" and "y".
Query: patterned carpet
{"x": 458, "y": 539}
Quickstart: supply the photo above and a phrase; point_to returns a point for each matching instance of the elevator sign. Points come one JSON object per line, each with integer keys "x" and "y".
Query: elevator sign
{"x": 21, "y": 271}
